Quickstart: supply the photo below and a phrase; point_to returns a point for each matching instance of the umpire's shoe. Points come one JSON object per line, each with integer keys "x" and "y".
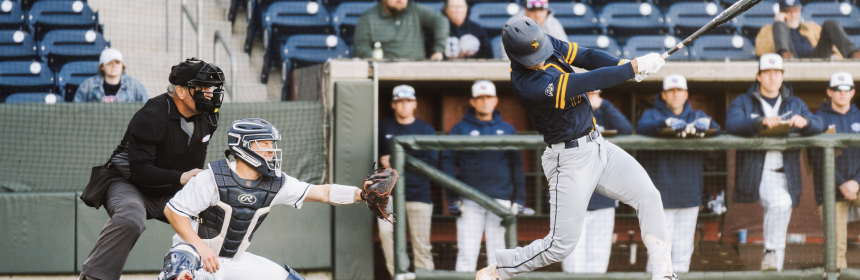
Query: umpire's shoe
{"x": 489, "y": 273}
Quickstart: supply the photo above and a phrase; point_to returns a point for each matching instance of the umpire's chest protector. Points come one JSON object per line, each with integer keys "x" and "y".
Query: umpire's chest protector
{"x": 228, "y": 226}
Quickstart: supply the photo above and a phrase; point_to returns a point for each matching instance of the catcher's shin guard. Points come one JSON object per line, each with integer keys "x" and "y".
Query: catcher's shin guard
{"x": 660, "y": 255}
{"x": 292, "y": 274}
{"x": 181, "y": 263}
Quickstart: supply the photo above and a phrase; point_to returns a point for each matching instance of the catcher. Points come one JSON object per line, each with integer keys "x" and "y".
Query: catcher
{"x": 216, "y": 213}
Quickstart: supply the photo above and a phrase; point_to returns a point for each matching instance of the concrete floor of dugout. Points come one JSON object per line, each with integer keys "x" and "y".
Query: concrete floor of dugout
{"x": 313, "y": 275}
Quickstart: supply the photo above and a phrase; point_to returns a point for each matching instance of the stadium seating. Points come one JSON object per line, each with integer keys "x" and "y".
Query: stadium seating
{"x": 17, "y": 45}
{"x": 492, "y": 16}
{"x": 855, "y": 39}
{"x": 601, "y": 3}
{"x": 576, "y": 18}
{"x": 751, "y": 21}
{"x": 669, "y": 3}
{"x": 24, "y": 76}
{"x": 62, "y": 46}
{"x": 686, "y": 18}
{"x": 34, "y": 97}
{"x": 11, "y": 15}
{"x": 846, "y": 14}
{"x": 641, "y": 45}
{"x": 283, "y": 19}
{"x": 45, "y": 16}
{"x": 346, "y": 16}
{"x": 632, "y": 19}
{"x": 497, "y": 47}
{"x": 722, "y": 47}
{"x": 72, "y": 75}
{"x": 600, "y": 42}
{"x": 301, "y": 50}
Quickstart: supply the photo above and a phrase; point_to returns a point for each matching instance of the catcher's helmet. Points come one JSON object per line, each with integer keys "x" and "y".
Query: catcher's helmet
{"x": 197, "y": 73}
{"x": 243, "y": 135}
{"x": 182, "y": 258}
{"x": 525, "y": 42}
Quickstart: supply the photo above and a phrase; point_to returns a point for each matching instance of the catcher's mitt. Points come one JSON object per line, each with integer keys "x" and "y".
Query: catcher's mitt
{"x": 377, "y": 193}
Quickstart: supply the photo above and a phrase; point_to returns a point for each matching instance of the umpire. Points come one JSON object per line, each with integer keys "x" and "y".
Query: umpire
{"x": 164, "y": 146}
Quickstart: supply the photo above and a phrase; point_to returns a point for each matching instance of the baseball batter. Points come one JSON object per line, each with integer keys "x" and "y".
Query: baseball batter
{"x": 578, "y": 160}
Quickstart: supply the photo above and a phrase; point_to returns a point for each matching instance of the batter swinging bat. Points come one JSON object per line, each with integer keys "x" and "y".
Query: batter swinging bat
{"x": 727, "y": 15}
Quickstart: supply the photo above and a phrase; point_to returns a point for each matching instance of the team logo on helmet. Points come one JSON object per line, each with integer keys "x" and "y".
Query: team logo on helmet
{"x": 247, "y": 199}
{"x": 535, "y": 45}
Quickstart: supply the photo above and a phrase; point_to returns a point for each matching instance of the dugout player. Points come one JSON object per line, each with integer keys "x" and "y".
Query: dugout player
{"x": 217, "y": 212}
{"x": 163, "y": 147}
{"x": 676, "y": 174}
{"x": 419, "y": 206}
{"x": 771, "y": 178}
{"x": 578, "y": 160}
{"x": 593, "y": 256}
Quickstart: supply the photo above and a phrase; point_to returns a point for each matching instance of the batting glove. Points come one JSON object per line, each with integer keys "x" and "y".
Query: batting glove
{"x": 640, "y": 77}
{"x": 649, "y": 64}
{"x": 454, "y": 207}
{"x": 517, "y": 209}
{"x": 701, "y": 125}
{"x": 677, "y": 125}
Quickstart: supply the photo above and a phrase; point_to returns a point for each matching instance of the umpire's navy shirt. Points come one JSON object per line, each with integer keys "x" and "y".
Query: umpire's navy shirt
{"x": 159, "y": 150}
{"x": 555, "y": 96}
{"x": 417, "y": 187}
{"x": 609, "y": 118}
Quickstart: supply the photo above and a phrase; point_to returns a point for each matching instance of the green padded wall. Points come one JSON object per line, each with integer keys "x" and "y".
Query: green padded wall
{"x": 38, "y": 233}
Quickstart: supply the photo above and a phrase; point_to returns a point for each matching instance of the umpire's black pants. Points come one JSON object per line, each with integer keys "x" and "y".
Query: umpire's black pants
{"x": 128, "y": 209}
{"x": 832, "y": 34}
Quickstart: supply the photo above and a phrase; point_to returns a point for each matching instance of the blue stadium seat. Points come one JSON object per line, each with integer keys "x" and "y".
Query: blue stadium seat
{"x": 11, "y": 15}
{"x": 600, "y": 42}
{"x": 25, "y": 76}
{"x": 751, "y": 21}
{"x": 497, "y": 47}
{"x": 846, "y": 14}
{"x": 627, "y": 19}
{"x": 722, "y": 47}
{"x": 492, "y": 16}
{"x": 17, "y": 45}
{"x": 303, "y": 50}
{"x": 27, "y": 4}
{"x": 686, "y": 18}
{"x": 62, "y": 46}
{"x": 855, "y": 39}
{"x": 34, "y": 97}
{"x": 255, "y": 11}
{"x": 72, "y": 75}
{"x": 284, "y": 19}
{"x": 576, "y": 18}
{"x": 600, "y": 3}
{"x": 641, "y": 45}
{"x": 45, "y": 16}
{"x": 346, "y": 16}
{"x": 669, "y": 3}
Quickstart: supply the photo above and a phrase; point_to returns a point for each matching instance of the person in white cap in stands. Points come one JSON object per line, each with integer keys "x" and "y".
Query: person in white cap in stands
{"x": 497, "y": 174}
{"x": 112, "y": 84}
{"x": 840, "y": 114}
{"x": 771, "y": 178}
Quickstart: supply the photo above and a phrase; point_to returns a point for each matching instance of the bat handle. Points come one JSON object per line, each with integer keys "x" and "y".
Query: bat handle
{"x": 665, "y": 55}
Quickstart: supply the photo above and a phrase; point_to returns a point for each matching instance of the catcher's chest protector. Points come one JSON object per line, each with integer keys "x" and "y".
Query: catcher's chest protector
{"x": 228, "y": 226}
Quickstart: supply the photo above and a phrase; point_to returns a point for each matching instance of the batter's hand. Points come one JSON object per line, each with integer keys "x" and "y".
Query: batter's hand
{"x": 649, "y": 63}
{"x": 188, "y": 175}
{"x": 437, "y": 56}
{"x": 208, "y": 257}
{"x": 798, "y": 121}
{"x": 849, "y": 189}
{"x": 770, "y": 122}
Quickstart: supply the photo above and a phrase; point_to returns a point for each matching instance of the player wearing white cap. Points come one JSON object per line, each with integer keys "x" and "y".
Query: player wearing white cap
{"x": 112, "y": 84}
{"x": 771, "y": 178}
{"x": 678, "y": 175}
{"x": 498, "y": 174}
{"x": 841, "y": 115}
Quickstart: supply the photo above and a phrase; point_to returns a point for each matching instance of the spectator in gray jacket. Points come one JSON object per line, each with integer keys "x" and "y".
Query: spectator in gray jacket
{"x": 397, "y": 25}
{"x": 112, "y": 84}
{"x": 539, "y": 11}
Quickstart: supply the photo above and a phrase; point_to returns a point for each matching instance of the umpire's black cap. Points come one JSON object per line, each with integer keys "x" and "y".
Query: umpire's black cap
{"x": 197, "y": 72}
{"x": 525, "y": 42}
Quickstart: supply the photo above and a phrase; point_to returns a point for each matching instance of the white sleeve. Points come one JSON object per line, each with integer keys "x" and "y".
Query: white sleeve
{"x": 292, "y": 193}
{"x": 198, "y": 194}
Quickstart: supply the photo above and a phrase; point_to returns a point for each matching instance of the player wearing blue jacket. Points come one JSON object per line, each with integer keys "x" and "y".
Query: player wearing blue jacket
{"x": 677, "y": 174}
{"x": 771, "y": 178}
{"x": 843, "y": 117}
{"x": 498, "y": 174}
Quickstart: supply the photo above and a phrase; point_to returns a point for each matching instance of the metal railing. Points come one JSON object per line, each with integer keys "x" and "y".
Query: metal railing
{"x": 196, "y": 24}
{"x": 399, "y": 159}
{"x": 234, "y": 66}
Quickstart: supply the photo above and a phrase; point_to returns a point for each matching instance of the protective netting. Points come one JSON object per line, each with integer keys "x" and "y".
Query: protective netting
{"x": 52, "y": 147}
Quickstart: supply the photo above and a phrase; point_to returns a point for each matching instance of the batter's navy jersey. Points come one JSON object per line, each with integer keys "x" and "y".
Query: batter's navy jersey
{"x": 554, "y": 97}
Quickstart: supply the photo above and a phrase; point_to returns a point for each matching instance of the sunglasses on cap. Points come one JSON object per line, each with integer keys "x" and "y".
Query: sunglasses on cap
{"x": 536, "y": 4}
{"x": 842, "y": 88}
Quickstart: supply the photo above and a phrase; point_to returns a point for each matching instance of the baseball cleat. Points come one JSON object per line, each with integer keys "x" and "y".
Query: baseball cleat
{"x": 768, "y": 263}
{"x": 489, "y": 273}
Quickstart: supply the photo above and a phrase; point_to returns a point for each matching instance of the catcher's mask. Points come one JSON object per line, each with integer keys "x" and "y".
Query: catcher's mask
{"x": 195, "y": 74}
{"x": 181, "y": 257}
{"x": 243, "y": 140}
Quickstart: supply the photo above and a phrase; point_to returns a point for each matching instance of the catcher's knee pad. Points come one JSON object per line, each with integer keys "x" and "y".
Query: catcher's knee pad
{"x": 182, "y": 257}
{"x": 292, "y": 274}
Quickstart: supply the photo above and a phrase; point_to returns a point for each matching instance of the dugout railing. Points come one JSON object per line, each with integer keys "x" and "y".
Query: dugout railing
{"x": 400, "y": 160}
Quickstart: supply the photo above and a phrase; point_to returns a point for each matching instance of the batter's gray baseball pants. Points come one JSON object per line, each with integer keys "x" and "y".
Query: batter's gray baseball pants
{"x": 573, "y": 175}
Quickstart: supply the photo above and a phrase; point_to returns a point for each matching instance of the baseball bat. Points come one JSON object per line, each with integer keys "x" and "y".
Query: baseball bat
{"x": 727, "y": 15}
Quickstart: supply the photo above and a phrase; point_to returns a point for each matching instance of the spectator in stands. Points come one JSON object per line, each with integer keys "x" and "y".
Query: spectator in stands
{"x": 466, "y": 38}
{"x": 397, "y": 25}
{"x": 112, "y": 84}
{"x": 840, "y": 114}
{"x": 591, "y": 255}
{"x": 419, "y": 207}
{"x": 539, "y": 11}
{"x": 771, "y": 178}
{"x": 676, "y": 174}
{"x": 498, "y": 174}
{"x": 790, "y": 36}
